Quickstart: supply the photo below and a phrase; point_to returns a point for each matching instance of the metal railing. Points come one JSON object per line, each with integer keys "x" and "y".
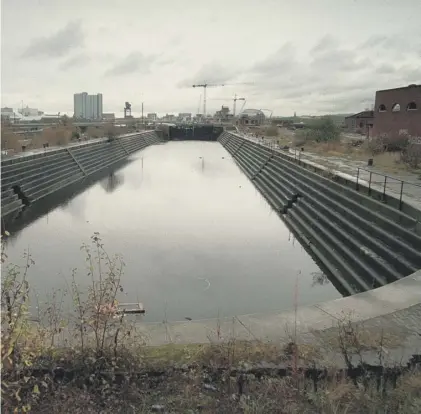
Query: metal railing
{"x": 383, "y": 184}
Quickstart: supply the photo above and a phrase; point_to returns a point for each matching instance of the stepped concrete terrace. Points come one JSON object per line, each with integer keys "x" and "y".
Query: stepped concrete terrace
{"x": 362, "y": 242}
{"x": 28, "y": 178}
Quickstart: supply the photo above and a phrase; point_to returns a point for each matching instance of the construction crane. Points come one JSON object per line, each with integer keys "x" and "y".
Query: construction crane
{"x": 198, "y": 106}
{"x": 206, "y": 85}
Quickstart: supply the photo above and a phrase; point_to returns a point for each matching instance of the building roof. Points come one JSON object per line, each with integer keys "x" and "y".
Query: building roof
{"x": 252, "y": 113}
{"x": 413, "y": 85}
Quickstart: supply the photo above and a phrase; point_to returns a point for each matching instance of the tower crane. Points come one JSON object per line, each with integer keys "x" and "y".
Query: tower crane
{"x": 206, "y": 85}
{"x": 235, "y": 102}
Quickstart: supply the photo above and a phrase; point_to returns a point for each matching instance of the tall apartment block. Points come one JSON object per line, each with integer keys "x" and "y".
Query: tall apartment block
{"x": 87, "y": 106}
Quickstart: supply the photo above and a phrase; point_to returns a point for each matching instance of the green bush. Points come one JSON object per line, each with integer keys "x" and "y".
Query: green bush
{"x": 271, "y": 131}
{"x": 323, "y": 130}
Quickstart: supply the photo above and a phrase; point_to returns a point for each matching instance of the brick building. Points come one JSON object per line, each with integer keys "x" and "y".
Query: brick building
{"x": 398, "y": 111}
{"x": 361, "y": 122}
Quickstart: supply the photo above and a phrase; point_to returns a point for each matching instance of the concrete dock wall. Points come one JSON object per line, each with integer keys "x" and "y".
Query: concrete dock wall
{"x": 394, "y": 308}
{"x": 27, "y": 179}
{"x": 362, "y": 242}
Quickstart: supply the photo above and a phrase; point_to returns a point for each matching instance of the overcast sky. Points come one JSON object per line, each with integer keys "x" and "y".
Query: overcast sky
{"x": 308, "y": 56}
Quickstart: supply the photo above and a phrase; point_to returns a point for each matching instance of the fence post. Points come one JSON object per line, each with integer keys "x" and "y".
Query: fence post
{"x": 384, "y": 188}
{"x": 369, "y": 183}
{"x": 358, "y": 177}
{"x": 400, "y": 198}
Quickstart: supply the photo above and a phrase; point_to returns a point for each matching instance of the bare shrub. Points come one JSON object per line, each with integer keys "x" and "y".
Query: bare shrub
{"x": 111, "y": 132}
{"x": 10, "y": 140}
{"x": 301, "y": 137}
{"x": 93, "y": 132}
{"x": 271, "y": 131}
{"x": 411, "y": 155}
{"x": 95, "y": 322}
{"x": 54, "y": 137}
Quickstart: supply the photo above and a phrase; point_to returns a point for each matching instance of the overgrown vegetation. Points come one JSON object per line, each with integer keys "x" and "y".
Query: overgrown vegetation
{"x": 271, "y": 131}
{"x": 321, "y": 130}
{"x": 57, "y": 135}
{"x": 93, "y": 360}
{"x": 408, "y": 148}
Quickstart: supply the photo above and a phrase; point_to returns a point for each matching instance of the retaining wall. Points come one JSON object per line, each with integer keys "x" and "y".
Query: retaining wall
{"x": 362, "y": 242}
{"x": 394, "y": 308}
{"x": 26, "y": 179}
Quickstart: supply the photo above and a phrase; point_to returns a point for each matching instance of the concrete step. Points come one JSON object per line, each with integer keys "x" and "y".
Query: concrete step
{"x": 106, "y": 161}
{"x": 23, "y": 177}
{"x": 287, "y": 186}
{"x": 383, "y": 228}
{"x": 255, "y": 164}
{"x": 332, "y": 260}
{"x": 367, "y": 242}
{"x": 367, "y": 278}
{"x": 31, "y": 165}
{"x": 56, "y": 185}
{"x": 306, "y": 183}
{"x": 35, "y": 185}
{"x": 380, "y": 270}
{"x": 350, "y": 195}
{"x": 287, "y": 196}
{"x": 248, "y": 166}
{"x": 278, "y": 203}
{"x": 11, "y": 207}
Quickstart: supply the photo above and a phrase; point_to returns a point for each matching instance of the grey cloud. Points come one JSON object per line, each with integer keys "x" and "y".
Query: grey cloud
{"x": 134, "y": 62}
{"x": 340, "y": 60}
{"x": 327, "y": 42}
{"x": 78, "y": 60}
{"x": 331, "y": 76}
{"x": 58, "y": 44}
{"x": 395, "y": 46}
{"x": 385, "y": 68}
{"x": 282, "y": 60}
{"x": 212, "y": 73}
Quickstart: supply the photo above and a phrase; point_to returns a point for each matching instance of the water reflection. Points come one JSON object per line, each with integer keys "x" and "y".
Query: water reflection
{"x": 112, "y": 182}
{"x": 197, "y": 237}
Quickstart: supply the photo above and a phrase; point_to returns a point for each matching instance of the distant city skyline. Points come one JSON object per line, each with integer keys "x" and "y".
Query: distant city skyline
{"x": 311, "y": 57}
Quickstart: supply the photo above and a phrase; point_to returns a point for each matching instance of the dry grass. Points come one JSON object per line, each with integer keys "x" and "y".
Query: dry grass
{"x": 107, "y": 368}
{"x": 57, "y": 136}
{"x": 390, "y": 162}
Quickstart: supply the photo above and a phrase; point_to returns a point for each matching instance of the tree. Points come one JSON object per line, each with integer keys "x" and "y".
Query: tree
{"x": 324, "y": 130}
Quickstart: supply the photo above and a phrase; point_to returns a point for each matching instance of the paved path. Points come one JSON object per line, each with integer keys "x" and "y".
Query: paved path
{"x": 392, "y": 311}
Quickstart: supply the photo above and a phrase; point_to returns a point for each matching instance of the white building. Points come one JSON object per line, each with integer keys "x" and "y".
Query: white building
{"x": 87, "y": 106}
{"x": 29, "y": 111}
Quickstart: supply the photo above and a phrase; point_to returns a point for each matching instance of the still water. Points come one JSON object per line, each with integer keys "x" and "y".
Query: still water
{"x": 197, "y": 238}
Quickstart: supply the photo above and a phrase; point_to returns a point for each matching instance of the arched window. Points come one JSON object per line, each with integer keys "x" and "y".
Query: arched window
{"x": 396, "y": 107}
{"x": 412, "y": 106}
{"x": 382, "y": 108}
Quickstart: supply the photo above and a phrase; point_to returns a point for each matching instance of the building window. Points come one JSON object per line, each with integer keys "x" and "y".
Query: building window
{"x": 361, "y": 124}
{"x": 396, "y": 107}
{"x": 382, "y": 108}
{"x": 412, "y": 106}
